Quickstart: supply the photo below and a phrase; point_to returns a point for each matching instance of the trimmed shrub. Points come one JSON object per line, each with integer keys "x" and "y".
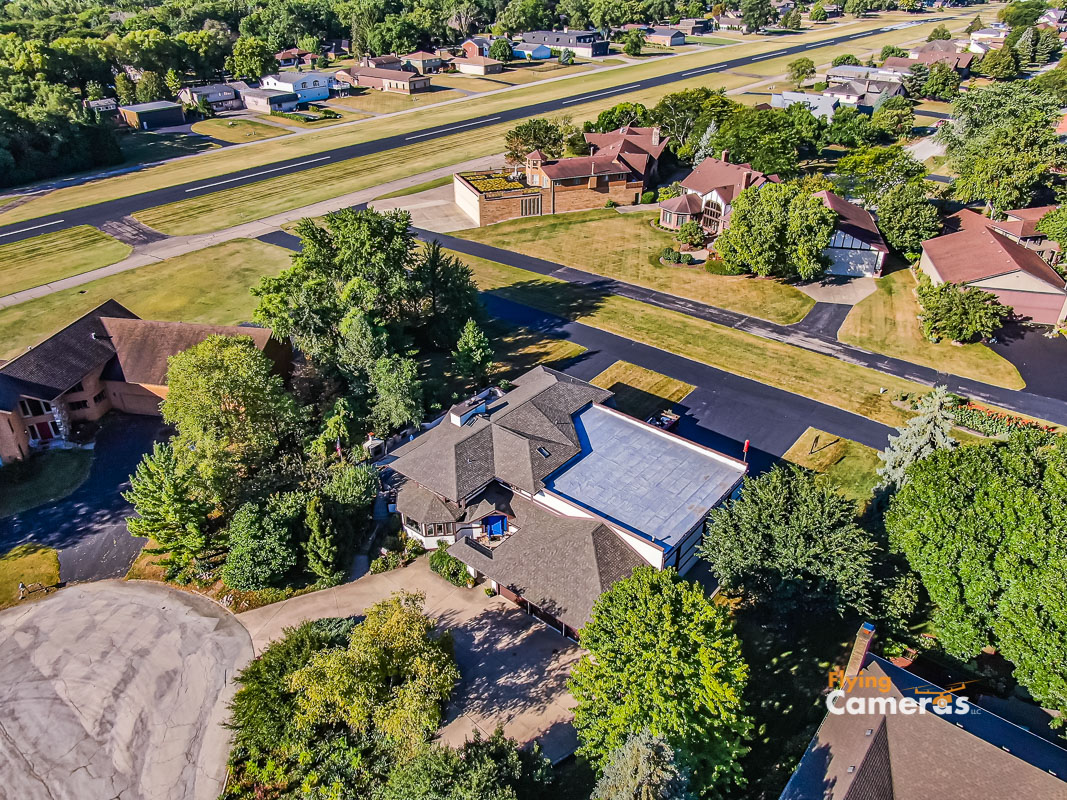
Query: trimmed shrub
{"x": 449, "y": 567}
{"x": 648, "y": 197}
{"x": 611, "y": 204}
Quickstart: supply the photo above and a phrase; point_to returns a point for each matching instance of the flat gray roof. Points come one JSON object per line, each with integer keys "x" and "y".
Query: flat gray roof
{"x": 643, "y": 479}
{"x": 157, "y": 105}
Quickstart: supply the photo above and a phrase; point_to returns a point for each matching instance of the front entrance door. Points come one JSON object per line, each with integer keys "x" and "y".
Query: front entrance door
{"x": 44, "y": 431}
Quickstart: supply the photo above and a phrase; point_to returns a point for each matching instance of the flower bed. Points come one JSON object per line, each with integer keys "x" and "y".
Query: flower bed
{"x": 991, "y": 423}
{"x": 493, "y": 183}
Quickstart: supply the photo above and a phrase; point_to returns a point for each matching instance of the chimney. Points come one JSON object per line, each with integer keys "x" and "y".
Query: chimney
{"x": 859, "y": 650}
{"x": 726, "y": 156}
{"x": 746, "y": 179}
{"x": 655, "y": 136}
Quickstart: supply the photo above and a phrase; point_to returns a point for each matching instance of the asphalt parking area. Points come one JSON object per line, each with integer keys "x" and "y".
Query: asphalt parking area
{"x": 116, "y": 690}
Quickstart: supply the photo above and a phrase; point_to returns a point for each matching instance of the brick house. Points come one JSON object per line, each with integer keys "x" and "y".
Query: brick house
{"x": 708, "y": 193}
{"x": 107, "y": 359}
{"x": 398, "y": 81}
{"x": 422, "y": 62}
{"x": 622, "y": 164}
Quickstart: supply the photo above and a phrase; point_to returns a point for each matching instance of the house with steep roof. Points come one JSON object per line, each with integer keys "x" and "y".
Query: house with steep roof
{"x": 478, "y": 45}
{"x": 621, "y": 165}
{"x": 218, "y": 96}
{"x": 296, "y": 56}
{"x": 708, "y": 193}
{"x": 389, "y": 61}
{"x": 1009, "y": 258}
{"x": 857, "y": 248}
{"x": 551, "y": 495}
{"x": 422, "y": 62}
{"x": 107, "y": 359}
{"x": 878, "y": 751}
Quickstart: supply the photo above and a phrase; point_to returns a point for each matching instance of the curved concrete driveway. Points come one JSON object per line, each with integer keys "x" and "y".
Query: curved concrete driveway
{"x": 116, "y": 690}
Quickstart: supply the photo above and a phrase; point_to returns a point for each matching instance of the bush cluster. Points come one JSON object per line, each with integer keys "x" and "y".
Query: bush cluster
{"x": 671, "y": 256}
{"x": 449, "y": 567}
{"x": 990, "y": 422}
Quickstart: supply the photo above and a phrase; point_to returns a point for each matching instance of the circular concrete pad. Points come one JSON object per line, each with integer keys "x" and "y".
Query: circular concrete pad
{"x": 117, "y": 690}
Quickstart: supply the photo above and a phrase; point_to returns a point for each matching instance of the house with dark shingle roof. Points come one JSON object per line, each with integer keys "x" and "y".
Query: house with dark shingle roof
{"x": 107, "y": 359}
{"x": 552, "y": 495}
{"x": 1009, "y": 258}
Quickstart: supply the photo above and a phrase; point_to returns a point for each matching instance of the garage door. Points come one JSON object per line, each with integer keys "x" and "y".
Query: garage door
{"x": 854, "y": 263}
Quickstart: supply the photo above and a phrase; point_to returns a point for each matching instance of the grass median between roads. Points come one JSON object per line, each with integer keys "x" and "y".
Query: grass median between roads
{"x": 214, "y": 165}
{"x": 42, "y": 478}
{"x": 852, "y": 467}
{"x": 627, "y": 249}
{"x": 821, "y": 378}
{"x": 887, "y": 322}
{"x": 208, "y": 286}
{"x": 31, "y": 564}
{"x": 436, "y": 183}
{"x": 51, "y": 256}
{"x": 237, "y": 130}
{"x": 373, "y": 101}
{"x": 641, "y": 392}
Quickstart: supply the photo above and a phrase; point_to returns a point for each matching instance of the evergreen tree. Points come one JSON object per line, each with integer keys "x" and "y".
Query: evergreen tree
{"x": 173, "y": 81}
{"x": 474, "y": 355}
{"x": 1026, "y": 46}
{"x": 150, "y": 88}
{"x": 939, "y": 33}
{"x": 445, "y": 292}
{"x": 164, "y": 497}
{"x": 1002, "y": 64}
{"x": 705, "y": 148}
{"x": 321, "y": 545}
{"x": 125, "y": 89}
{"x": 817, "y": 13}
{"x": 642, "y": 769}
{"x": 974, "y": 25}
{"x": 930, "y": 430}
{"x": 1048, "y": 46}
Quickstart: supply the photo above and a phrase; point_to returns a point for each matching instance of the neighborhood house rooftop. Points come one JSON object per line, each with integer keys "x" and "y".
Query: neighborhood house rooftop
{"x": 647, "y": 481}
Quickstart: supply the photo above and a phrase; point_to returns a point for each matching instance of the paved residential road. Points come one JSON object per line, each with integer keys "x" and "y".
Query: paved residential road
{"x": 121, "y": 207}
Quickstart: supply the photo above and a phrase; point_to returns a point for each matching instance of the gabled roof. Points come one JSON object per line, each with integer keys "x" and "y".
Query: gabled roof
{"x": 64, "y": 358}
{"x": 142, "y": 347}
{"x": 629, "y": 139}
{"x": 687, "y": 203}
{"x": 713, "y": 174}
{"x": 505, "y": 441}
{"x": 977, "y": 251}
{"x": 478, "y": 61}
{"x": 1022, "y": 222}
{"x": 419, "y": 55}
{"x": 537, "y": 155}
{"x": 855, "y": 221}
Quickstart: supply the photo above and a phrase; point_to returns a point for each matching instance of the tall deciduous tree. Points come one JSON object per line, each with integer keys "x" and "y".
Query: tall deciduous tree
{"x": 501, "y": 50}
{"x": 251, "y": 58}
{"x": 794, "y": 538}
{"x": 929, "y": 430}
{"x": 870, "y": 172}
{"x": 150, "y": 88}
{"x": 985, "y": 527}
{"x": 779, "y": 230}
{"x": 800, "y": 70}
{"x": 907, "y": 218}
{"x": 679, "y": 642}
{"x": 643, "y": 768}
{"x": 940, "y": 33}
{"x": 540, "y": 133}
{"x": 168, "y": 511}
{"x": 445, "y": 294}
{"x": 398, "y": 393}
{"x": 943, "y": 82}
{"x": 765, "y": 138}
{"x": 756, "y": 13}
{"x": 1054, "y": 225}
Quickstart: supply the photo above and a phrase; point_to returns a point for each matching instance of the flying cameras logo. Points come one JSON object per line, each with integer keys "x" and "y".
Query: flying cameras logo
{"x": 843, "y": 698}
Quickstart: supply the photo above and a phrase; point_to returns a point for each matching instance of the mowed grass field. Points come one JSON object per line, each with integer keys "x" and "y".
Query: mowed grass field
{"x": 852, "y": 467}
{"x": 51, "y": 256}
{"x": 209, "y": 286}
{"x": 216, "y": 164}
{"x": 237, "y": 130}
{"x": 887, "y": 322}
{"x": 821, "y": 378}
{"x": 29, "y": 564}
{"x": 627, "y": 247}
{"x": 641, "y": 392}
{"x": 376, "y": 102}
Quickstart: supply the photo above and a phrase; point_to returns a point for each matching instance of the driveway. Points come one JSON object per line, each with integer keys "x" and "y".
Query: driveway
{"x": 1038, "y": 358}
{"x": 117, "y": 690}
{"x": 513, "y": 668}
{"x": 87, "y": 527}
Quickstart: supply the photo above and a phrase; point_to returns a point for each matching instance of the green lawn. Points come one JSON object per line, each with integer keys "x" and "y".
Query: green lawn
{"x": 436, "y": 183}
{"x": 29, "y": 564}
{"x": 715, "y": 40}
{"x": 850, "y": 466}
{"x": 377, "y": 102}
{"x": 42, "y": 478}
{"x": 641, "y": 392}
{"x": 214, "y": 165}
{"x": 627, "y": 248}
{"x": 237, "y": 130}
{"x": 140, "y": 147}
{"x": 821, "y": 378}
{"x": 209, "y": 286}
{"x": 469, "y": 83}
{"x": 52, "y": 256}
{"x": 318, "y": 124}
{"x": 886, "y": 322}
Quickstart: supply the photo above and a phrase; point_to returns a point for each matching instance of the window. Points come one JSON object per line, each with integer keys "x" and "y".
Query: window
{"x": 76, "y": 388}
{"x": 712, "y": 217}
{"x": 34, "y": 408}
{"x": 314, "y": 83}
{"x": 100, "y": 395}
{"x": 530, "y": 206}
{"x": 304, "y": 84}
{"x": 544, "y": 181}
{"x": 78, "y": 405}
{"x": 668, "y": 218}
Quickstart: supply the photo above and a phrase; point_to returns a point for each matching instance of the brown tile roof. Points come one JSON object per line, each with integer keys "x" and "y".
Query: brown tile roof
{"x": 687, "y": 203}
{"x": 855, "y": 221}
{"x": 976, "y": 252}
{"x": 954, "y": 60}
{"x": 584, "y": 166}
{"x": 729, "y": 179}
{"x": 628, "y": 139}
{"x": 419, "y": 55}
{"x": 142, "y": 347}
{"x": 1022, "y": 222}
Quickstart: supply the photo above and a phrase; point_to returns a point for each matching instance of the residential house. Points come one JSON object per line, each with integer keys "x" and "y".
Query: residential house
{"x": 783, "y": 7}
{"x": 478, "y": 46}
{"x": 398, "y": 81}
{"x": 218, "y": 96}
{"x": 857, "y": 248}
{"x": 665, "y": 37}
{"x": 478, "y": 65}
{"x": 821, "y": 105}
{"x": 588, "y": 44}
{"x": 106, "y": 108}
{"x": 296, "y": 56}
{"x": 531, "y": 52}
{"x": 265, "y": 101}
{"x": 621, "y": 166}
{"x": 336, "y": 48}
{"x": 693, "y": 27}
{"x": 1008, "y": 258}
{"x": 107, "y": 359}
{"x": 1056, "y": 17}
{"x": 382, "y": 62}
{"x": 729, "y": 21}
{"x": 552, "y": 495}
{"x": 708, "y": 193}
{"x": 833, "y": 10}
{"x": 951, "y": 52}
{"x": 308, "y": 86}
{"x": 872, "y": 753}
{"x": 422, "y": 62}
{"x": 148, "y": 116}
{"x": 987, "y": 39}
{"x": 864, "y": 86}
